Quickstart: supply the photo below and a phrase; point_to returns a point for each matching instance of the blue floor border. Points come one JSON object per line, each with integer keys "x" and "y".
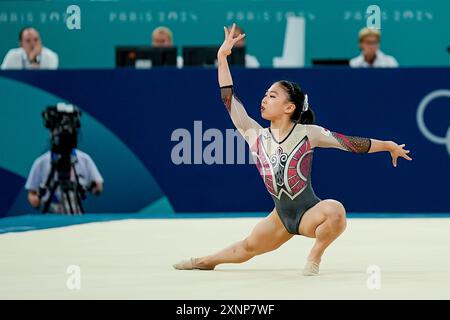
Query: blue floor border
{"x": 37, "y": 221}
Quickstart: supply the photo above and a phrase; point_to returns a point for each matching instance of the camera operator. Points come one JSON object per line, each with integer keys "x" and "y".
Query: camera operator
{"x": 59, "y": 178}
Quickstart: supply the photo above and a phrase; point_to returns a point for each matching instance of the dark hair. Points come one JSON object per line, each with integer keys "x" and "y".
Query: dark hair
{"x": 297, "y": 97}
{"x": 22, "y": 31}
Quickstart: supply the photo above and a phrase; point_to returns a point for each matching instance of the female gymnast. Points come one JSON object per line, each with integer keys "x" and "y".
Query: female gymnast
{"x": 283, "y": 155}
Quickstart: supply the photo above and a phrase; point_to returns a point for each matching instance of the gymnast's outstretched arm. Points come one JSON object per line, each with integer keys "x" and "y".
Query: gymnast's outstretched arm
{"x": 247, "y": 126}
{"x": 324, "y": 138}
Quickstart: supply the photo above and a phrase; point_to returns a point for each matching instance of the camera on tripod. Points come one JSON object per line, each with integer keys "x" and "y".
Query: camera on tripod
{"x": 63, "y": 121}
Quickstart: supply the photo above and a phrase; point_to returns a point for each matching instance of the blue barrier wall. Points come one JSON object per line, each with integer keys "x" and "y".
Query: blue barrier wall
{"x": 129, "y": 117}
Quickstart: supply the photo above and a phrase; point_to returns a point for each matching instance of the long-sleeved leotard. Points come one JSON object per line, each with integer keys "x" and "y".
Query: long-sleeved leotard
{"x": 247, "y": 127}
{"x": 285, "y": 166}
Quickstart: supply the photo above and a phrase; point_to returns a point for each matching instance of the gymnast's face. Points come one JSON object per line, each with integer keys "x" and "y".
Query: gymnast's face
{"x": 276, "y": 103}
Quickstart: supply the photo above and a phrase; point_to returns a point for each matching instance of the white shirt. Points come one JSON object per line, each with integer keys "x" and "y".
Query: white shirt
{"x": 86, "y": 171}
{"x": 381, "y": 61}
{"x": 85, "y": 167}
{"x": 17, "y": 59}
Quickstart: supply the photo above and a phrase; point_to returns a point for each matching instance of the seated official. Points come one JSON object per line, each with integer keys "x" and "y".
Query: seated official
{"x": 371, "y": 55}
{"x": 31, "y": 54}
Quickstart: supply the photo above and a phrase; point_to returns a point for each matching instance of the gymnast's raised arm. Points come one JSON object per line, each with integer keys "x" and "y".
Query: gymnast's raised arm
{"x": 321, "y": 137}
{"x": 246, "y": 125}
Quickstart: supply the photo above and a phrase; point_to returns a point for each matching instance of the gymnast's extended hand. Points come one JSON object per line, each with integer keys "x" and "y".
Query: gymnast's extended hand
{"x": 229, "y": 42}
{"x": 397, "y": 151}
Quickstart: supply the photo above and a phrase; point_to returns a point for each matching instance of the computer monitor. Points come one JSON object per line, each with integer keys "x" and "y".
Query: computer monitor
{"x": 207, "y": 55}
{"x": 145, "y": 56}
{"x": 329, "y": 62}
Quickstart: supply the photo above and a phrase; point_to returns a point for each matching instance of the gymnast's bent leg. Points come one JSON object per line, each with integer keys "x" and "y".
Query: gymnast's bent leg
{"x": 325, "y": 222}
{"x": 268, "y": 235}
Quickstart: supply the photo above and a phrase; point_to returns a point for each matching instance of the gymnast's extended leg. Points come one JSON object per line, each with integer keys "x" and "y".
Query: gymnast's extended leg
{"x": 268, "y": 235}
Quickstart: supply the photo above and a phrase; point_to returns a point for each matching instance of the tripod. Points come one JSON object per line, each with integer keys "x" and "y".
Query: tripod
{"x": 71, "y": 192}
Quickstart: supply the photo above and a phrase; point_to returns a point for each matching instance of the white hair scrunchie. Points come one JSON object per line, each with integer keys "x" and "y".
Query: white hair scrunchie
{"x": 305, "y": 103}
